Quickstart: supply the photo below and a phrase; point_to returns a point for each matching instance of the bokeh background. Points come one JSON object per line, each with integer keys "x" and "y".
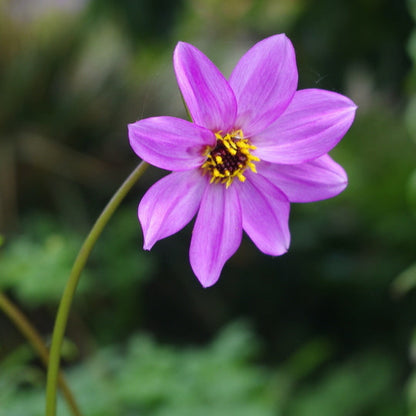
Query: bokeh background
{"x": 327, "y": 329}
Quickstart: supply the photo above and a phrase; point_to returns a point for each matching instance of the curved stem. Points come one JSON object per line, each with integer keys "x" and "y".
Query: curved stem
{"x": 66, "y": 300}
{"x": 25, "y": 327}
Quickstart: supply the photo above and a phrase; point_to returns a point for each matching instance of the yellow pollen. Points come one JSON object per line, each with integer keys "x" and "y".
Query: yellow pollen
{"x": 229, "y": 158}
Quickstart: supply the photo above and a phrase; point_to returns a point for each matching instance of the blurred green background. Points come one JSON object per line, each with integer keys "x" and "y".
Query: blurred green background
{"x": 327, "y": 329}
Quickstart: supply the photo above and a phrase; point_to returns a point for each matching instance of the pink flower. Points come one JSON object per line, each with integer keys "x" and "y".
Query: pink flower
{"x": 254, "y": 145}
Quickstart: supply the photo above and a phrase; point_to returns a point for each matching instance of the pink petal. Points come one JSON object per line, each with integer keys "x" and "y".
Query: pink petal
{"x": 207, "y": 94}
{"x": 315, "y": 121}
{"x": 264, "y": 82}
{"x": 170, "y": 204}
{"x": 315, "y": 180}
{"x": 265, "y": 214}
{"x": 170, "y": 143}
{"x": 217, "y": 233}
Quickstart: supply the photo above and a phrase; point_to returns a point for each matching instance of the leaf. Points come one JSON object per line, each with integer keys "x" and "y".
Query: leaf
{"x": 405, "y": 281}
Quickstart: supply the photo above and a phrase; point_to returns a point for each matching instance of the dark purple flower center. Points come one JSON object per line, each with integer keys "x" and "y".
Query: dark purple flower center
{"x": 230, "y": 158}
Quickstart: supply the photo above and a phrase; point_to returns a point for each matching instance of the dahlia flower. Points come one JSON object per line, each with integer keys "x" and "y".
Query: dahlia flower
{"x": 254, "y": 145}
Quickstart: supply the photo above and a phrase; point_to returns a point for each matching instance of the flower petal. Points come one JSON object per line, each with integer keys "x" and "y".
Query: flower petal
{"x": 315, "y": 180}
{"x": 170, "y": 204}
{"x": 265, "y": 214}
{"x": 170, "y": 143}
{"x": 264, "y": 82}
{"x": 217, "y": 233}
{"x": 207, "y": 94}
{"x": 314, "y": 122}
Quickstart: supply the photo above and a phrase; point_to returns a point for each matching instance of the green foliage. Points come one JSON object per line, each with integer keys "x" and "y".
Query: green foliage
{"x": 36, "y": 264}
{"x": 144, "y": 377}
{"x": 405, "y": 281}
{"x": 118, "y": 261}
{"x": 412, "y": 8}
{"x": 37, "y": 268}
{"x": 340, "y": 391}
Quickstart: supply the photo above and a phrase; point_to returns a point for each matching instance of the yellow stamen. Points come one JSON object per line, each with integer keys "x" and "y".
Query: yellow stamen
{"x": 230, "y": 158}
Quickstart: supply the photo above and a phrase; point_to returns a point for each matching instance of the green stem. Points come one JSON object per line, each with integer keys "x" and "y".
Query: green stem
{"x": 25, "y": 327}
{"x": 66, "y": 300}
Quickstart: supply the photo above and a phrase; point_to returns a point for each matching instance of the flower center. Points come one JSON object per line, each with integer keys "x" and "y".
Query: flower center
{"x": 230, "y": 158}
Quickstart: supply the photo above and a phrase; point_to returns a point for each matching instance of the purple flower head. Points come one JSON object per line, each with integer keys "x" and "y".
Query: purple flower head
{"x": 254, "y": 145}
